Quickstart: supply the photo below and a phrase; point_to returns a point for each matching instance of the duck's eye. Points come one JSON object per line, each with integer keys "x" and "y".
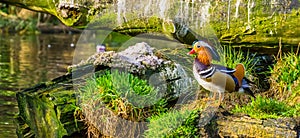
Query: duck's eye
{"x": 198, "y": 46}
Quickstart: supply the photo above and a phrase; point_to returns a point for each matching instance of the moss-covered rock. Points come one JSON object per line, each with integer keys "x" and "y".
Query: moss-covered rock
{"x": 48, "y": 110}
{"x": 144, "y": 61}
{"x": 221, "y": 124}
{"x": 123, "y": 115}
{"x": 243, "y": 126}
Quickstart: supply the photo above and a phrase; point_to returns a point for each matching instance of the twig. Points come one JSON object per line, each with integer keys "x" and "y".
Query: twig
{"x": 279, "y": 51}
{"x": 7, "y": 15}
{"x": 3, "y": 14}
{"x": 228, "y": 15}
{"x": 298, "y": 49}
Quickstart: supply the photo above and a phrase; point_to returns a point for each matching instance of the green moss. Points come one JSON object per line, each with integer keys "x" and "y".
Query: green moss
{"x": 263, "y": 108}
{"x": 146, "y": 25}
{"x": 43, "y": 110}
{"x": 8, "y": 93}
{"x": 17, "y": 25}
{"x": 262, "y": 28}
{"x": 49, "y": 113}
{"x": 174, "y": 124}
{"x": 115, "y": 39}
{"x": 105, "y": 20}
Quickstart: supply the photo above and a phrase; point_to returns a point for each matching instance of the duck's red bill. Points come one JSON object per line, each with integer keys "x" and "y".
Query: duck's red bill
{"x": 192, "y": 52}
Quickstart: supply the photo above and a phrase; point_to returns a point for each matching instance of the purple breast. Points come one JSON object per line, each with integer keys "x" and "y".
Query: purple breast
{"x": 199, "y": 66}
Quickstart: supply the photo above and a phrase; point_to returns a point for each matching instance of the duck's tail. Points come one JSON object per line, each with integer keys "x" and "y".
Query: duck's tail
{"x": 239, "y": 73}
{"x": 248, "y": 91}
{"x": 243, "y": 82}
{"x": 246, "y": 87}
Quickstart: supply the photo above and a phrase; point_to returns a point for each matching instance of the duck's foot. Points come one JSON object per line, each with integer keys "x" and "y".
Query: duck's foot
{"x": 212, "y": 101}
{"x": 216, "y": 104}
{"x": 207, "y": 99}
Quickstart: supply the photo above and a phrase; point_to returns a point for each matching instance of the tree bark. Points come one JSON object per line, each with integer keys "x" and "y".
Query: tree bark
{"x": 70, "y": 12}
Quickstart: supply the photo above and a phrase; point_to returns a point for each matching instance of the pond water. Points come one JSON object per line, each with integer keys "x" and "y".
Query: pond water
{"x": 25, "y": 61}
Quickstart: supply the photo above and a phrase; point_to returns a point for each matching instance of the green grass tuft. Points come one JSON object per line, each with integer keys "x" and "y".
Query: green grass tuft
{"x": 123, "y": 93}
{"x": 173, "y": 124}
{"x": 231, "y": 57}
{"x": 263, "y": 108}
{"x": 285, "y": 77}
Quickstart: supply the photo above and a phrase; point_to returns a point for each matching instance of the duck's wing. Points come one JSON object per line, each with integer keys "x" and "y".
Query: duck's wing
{"x": 224, "y": 69}
{"x": 238, "y": 74}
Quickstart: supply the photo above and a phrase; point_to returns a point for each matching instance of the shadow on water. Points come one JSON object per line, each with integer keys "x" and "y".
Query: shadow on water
{"x": 26, "y": 61}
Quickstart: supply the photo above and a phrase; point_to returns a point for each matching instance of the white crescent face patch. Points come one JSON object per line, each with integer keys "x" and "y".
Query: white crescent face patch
{"x": 215, "y": 55}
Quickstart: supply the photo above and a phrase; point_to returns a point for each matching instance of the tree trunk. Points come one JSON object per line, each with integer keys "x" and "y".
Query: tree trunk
{"x": 70, "y": 12}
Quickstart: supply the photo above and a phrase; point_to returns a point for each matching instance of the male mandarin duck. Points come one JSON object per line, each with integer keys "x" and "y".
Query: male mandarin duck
{"x": 217, "y": 78}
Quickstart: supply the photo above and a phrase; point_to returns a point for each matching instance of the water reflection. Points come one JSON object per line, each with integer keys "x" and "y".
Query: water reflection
{"x": 26, "y": 61}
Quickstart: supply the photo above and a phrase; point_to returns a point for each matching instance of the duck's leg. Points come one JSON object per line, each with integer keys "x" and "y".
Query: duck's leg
{"x": 214, "y": 96}
{"x": 221, "y": 97}
{"x": 209, "y": 98}
{"x": 213, "y": 99}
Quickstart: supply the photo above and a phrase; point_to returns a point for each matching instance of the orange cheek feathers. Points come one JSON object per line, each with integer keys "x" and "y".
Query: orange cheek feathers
{"x": 204, "y": 57}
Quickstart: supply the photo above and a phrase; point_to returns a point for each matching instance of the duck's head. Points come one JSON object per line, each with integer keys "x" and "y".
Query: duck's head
{"x": 205, "y": 52}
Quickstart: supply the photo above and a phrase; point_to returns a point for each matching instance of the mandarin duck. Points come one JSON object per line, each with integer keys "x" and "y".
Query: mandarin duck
{"x": 217, "y": 78}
